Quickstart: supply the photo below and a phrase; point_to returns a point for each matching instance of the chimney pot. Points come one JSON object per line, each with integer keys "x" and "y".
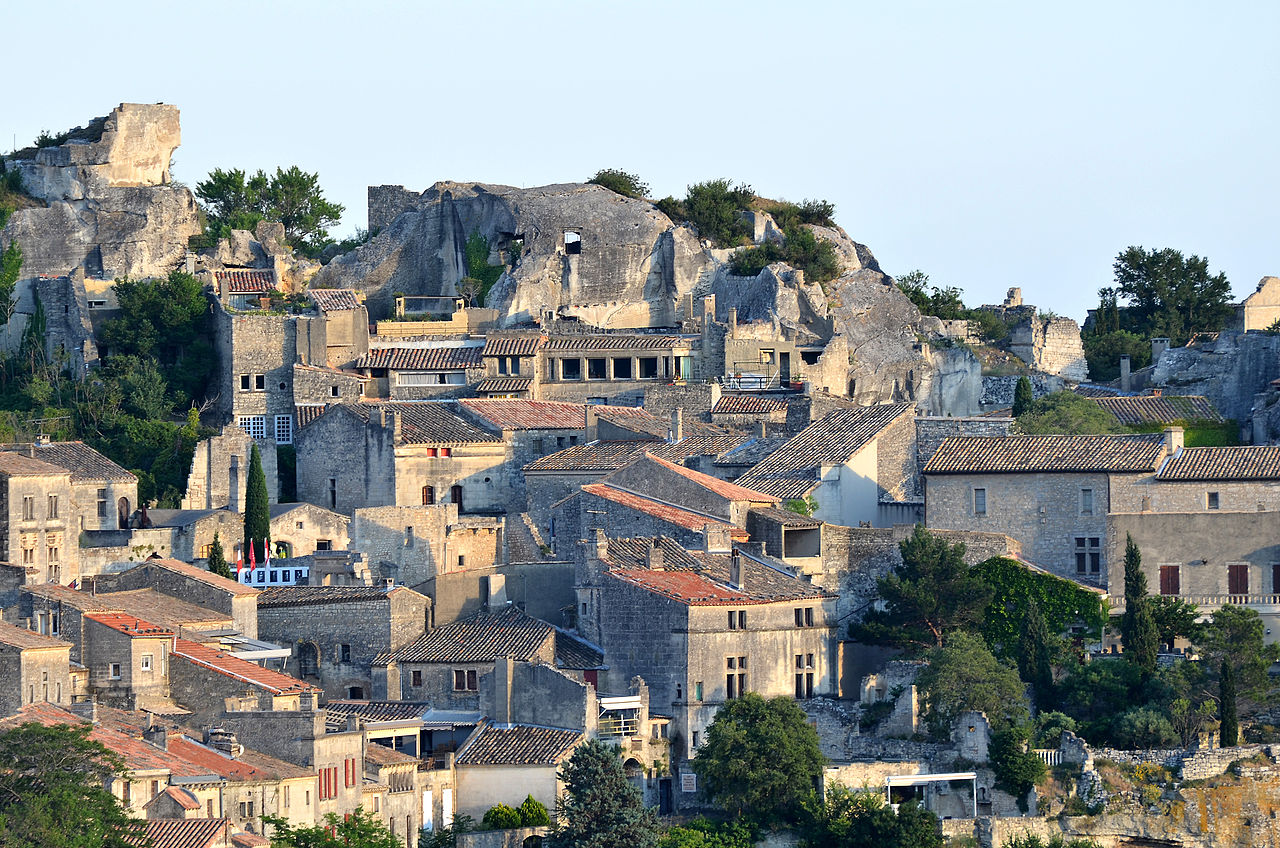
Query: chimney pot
{"x": 677, "y": 424}
{"x": 1173, "y": 439}
{"x": 735, "y": 569}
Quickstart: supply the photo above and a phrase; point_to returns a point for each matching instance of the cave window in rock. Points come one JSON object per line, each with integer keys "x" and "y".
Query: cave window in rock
{"x": 572, "y": 242}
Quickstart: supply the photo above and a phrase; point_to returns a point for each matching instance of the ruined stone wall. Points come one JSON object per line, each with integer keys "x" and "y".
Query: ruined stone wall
{"x": 1262, "y": 308}
{"x": 696, "y": 399}
{"x": 209, "y": 482}
{"x": 1052, "y": 346}
{"x": 997, "y": 392}
{"x": 106, "y": 551}
{"x": 388, "y": 202}
{"x": 931, "y": 432}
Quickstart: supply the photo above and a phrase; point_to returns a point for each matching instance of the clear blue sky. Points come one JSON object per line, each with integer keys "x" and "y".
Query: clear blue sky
{"x": 990, "y": 145}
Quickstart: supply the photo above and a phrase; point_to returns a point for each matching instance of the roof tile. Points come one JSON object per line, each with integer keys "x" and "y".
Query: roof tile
{"x": 335, "y": 300}
{"x": 183, "y": 833}
{"x": 504, "y": 385}
{"x": 1054, "y": 454}
{"x": 1245, "y": 462}
{"x": 245, "y": 281}
{"x": 748, "y": 405}
{"x": 84, "y": 463}
{"x": 422, "y": 358}
{"x": 480, "y": 638}
{"x": 520, "y": 744}
{"x": 1162, "y": 409}
{"x": 669, "y": 513}
{"x": 225, "y": 664}
{"x": 425, "y": 422}
{"x": 526, "y": 345}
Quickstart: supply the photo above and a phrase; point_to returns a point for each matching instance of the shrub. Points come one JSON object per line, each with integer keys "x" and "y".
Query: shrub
{"x": 533, "y": 814}
{"x": 1143, "y": 727}
{"x": 714, "y": 207}
{"x": 1017, "y": 770}
{"x": 626, "y": 184}
{"x": 502, "y": 817}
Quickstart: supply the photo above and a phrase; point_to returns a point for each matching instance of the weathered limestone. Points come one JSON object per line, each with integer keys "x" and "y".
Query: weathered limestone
{"x": 1229, "y": 370}
{"x": 1052, "y": 346}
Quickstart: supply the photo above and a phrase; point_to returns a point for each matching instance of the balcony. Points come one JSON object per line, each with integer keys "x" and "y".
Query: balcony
{"x": 1209, "y": 603}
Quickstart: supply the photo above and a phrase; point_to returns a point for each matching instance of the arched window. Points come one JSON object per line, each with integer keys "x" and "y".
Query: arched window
{"x": 122, "y": 513}
{"x": 428, "y": 495}
{"x": 308, "y": 660}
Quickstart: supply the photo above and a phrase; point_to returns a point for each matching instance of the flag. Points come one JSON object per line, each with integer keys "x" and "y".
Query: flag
{"x": 266, "y": 553}
{"x": 239, "y": 564}
{"x": 253, "y": 558}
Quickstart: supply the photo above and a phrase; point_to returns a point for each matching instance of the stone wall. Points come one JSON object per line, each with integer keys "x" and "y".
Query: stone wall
{"x": 105, "y": 551}
{"x": 1051, "y": 346}
{"x": 419, "y": 543}
{"x": 1262, "y": 308}
{"x": 259, "y": 346}
{"x": 997, "y": 392}
{"x": 314, "y": 386}
{"x": 209, "y": 483}
{"x": 931, "y": 432}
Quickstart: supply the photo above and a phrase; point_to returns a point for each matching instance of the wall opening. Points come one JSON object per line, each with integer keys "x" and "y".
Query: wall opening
{"x": 572, "y": 242}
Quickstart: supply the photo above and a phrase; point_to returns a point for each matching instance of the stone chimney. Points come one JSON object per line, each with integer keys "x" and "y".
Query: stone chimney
{"x": 307, "y": 701}
{"x": 591, "y": 425}
{"x": 1158, "y": 346}
{"x": 708, "y": 309}
{"x": 503, "y": 678}
{"x": 762, "y": 430}
{"x": 221, "y": 739}
{"x": 1125, "y": 381}
{"x": 733, "y": 322}
{"x": 719, "y": 540}
{"x": 156, "y": 733}
{"x": 715, "y": 394}
{"x": 87, "y": 710}
{"x": 677, "y": 424}
{"x": 735, "y": 569}
{"x": 601, "y": 544}
{"x": 233, "y": 492}
{"x": 653, "y": 558}
{"x": 1173, "y": 440}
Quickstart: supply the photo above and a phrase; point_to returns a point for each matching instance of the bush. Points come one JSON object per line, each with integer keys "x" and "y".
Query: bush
{"x": 1067, "y": 412}
{"x": 533, "y": 814}
{"x": 614, "y": 179}
{"x": 1050, "y": 726}
{"x": 501, "y": 817}
{"x": 1143, "y": 727}
{"x": 714, "y": 207}
{"x": 1017, "y": 770}
{"x": 705, "y": 833}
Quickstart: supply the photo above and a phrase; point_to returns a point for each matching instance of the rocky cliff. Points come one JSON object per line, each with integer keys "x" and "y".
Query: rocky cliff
{"x": 109, "y": 205}
{"x": 1229, "y": 369}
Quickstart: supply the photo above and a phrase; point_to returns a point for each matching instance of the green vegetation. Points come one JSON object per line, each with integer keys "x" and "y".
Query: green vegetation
{"x": 257, "y": 517}
{"x": 532, "y": 813}
{"x": 1227, "y": 714}
{"x": 12, "y": 195}
{"x": 1165, "y": 294}
{"x": 760, "y": 759}
{"x": 626, "y": 184}
{"x": 447, "y": 837}
{"x": 705, "y": 833}
{"x": 1027, "y": 840}
{"x": 233, "y": 200}
{"x": 355, "y": 830}
{"x": 1016, "y": 767}
{"x": 946, "y": 302}
{"x": 10, "y": 268}
{"x": 52, "y": 791}
{"x": 964, "y": 675}
{"x": 599, "y": 805}
{"x": 1067, "y": 412}
{"x": 806, "y": 506}
{"x": 218, "y": 559}
{"x": 858, "y": 818}
{"x": 1022, "y": 397}
{"x": 500, "y": 817}
{"x": 801, "y": 249}
{"x": 479, "y": 271}
{"x": 1138, "y": 631}
{"x": 1062, "y": 603}
{"x": 715, "y": 210}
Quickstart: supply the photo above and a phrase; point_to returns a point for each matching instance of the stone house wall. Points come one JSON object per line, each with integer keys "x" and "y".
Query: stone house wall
{"x": 135, "y": 687}
{"x": 205, "y": 692}
{"x": 696, "y": 399}
{"x": 239, "y": 603}
{"x": 1149, "y": 494}
{"x": 29, "y": 675}
{"x": 932, "y": 432}
{"x": 211, "y": 478}
{"x": 107, "y": 551}
{"x": 438, "y": 680}
{"x": 314, "y": 386}
{"x": 545, "y": 489}
{"x": 896, "y": 471}
{"x": 255, "y": 345}
{"x": 362, "y": 474}
{"x": 50, "y": 536}
{"x": 542, "y": 589}
{"x": 305, "y": 525}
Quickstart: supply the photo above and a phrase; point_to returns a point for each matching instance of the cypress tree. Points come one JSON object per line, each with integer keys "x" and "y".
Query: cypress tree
{"x": 1035, "y": 655}
{"x": 1021, "y": 396}
{"x": 257, "y": 518}
{"x": 1138, "y": 631}
{"x": 1229, "y": 733}
{"x": 218, "y": 560}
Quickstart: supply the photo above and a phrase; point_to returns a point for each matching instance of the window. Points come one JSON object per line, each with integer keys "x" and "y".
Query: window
{"x": 333, "y": 392}
{"x": 416, "y": 677}
{"x": 54, "y": 548}
{"x": 113, "y": 671}
{"x": 737, "y": 619}
{"x": 462, "y": 562}
{"x": 1238, "y": 578}
{"x": 428, "y": 495}
{"x": 28, "y": 508}
{"x": 804, "y": 676}
{"x": 102, "y": 503}
{"x": 455, "y": 496}
{"x": 622, "y": 368}
{"x": 572, "y": 242}
{"x": 808, "y": 616}
{"x": 245, "y": 382}
{"x": 464, "y": 680}
{"x": 596, "y": 368}
{"x": 979, "y": 501}
{"x": 648, "y": 368}
{"x": 1275, "y": 582}
{"x": 349, "y": 769}
{"x": 515, "y": 365}
{"x": 146, "y": 662}
{"x": 502, "y": 365}
{"x": 735, "y": 680}
{"x": 259, "y": 382}
{"x": 766, "y": 357}
{"x": 297, "y": 575}
{"x": 571, "y": 369}
{"x": 1170, "y": 580}
{"x": 1088, "y": 555}
{"x": 275, "y": 576}
{"x": 1086, "y": 501}
{"x": 97, "y": 304}
{"x": 286, "y": 799}
{"x": 695, "y": 740}
{"x": 733, "y": 620}
{"x": 28, "y": 549}
{"x": 254, "y": 425}
{"x": 324, "y": 544}
{"x": 697, "y": 691}
{"x": 344, "y": 652}
{"x": 284, "y": 429}
{"x": 1211, "y": 500}
{"x": 333, "y": 493}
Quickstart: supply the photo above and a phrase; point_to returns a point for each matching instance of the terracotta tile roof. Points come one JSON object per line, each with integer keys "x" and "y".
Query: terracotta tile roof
{"x": 422, "y": 358}
{"x": 242, "y": 281}
{"x": 751, "y": 452}
{"x": 234, "y": 667}
{"x": 577, "y": 654}
{"x": 1051, "y": 454}
{"x": 747, "y": 405}
{"x": 620, "y": 342}
{"x": 480, "y": 638}
{"x": 1091, "y": 391}
{"x": 384, "y": 756}
{"x": 687, "y": 587}
{"x": 637, "y": 420}
{"x": 731, "y": 491}
{"x": 20, "y": 637}
{"x": 794, "y": 469}
{"x": 42, "y": 713}
{"x": 336, "y": 712}
{"x": 1246, "y": 462}
{"x": 426, "y": 422}
{"x": 1164, "y": 409}
{"x": 17, "y": 465}
{"x": 249, "y": 840}
{"x": 183, "y": 833}
{"x": 496, "y": 385}
{"x": 164, "y": 610}
{"x": 519, "y": 745}
{"x": 249, "y": 765}
{"x": 305, "y": 596}
{"x": 669, "y": 513}
{"x": 84, "y": 463}
{"x": 513, "y": 345}
{"x": 70, "y": 597}
{"x": 335, "y": 300}
{"x": 140, "y": 755}
{"x": 612, "y": 455}
{"x": 201, "y": 575}
{"x": 519, "y": 414}
{"x": 128, "y": 624}
{"x": 304, "y": 414}
{"x": 183, "y": 798}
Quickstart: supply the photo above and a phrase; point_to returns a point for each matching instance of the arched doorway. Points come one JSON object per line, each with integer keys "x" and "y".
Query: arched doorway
{"x": 122, "y": 514}
{"x": 308, "y": 660}
{"x": 632, "y": 768}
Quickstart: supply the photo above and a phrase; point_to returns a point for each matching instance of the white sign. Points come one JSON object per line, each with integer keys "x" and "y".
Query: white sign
{"x": 688, "y": 782}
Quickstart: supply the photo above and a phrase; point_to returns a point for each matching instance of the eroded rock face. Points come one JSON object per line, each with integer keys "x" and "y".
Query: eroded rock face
{"x": 1229, "y": 370}
{"x": 111, "y": 208}
{"x": 887, "y": 362}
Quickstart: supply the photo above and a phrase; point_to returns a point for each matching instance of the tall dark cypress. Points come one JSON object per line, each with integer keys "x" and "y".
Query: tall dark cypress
{"x": 1229, "y": 733}
{"x": 1138, "y": 631}
{"x": 257, "y": 517}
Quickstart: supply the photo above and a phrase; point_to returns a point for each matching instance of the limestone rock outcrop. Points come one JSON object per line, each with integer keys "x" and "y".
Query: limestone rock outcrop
{"x": 1051, "y": 346}
{"x": 1228, "y": 369}
{"x": 110, "y": 206}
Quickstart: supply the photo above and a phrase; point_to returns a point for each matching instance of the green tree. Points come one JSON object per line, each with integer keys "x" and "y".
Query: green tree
{"x": 478, "y": 268}
{"x": 10, "y": 268}
{"x": 858, "y": 818}
{"x": 615, "y": 179}
{"x": 1063, "y": 603}
{"x": 501, "y": 817}
{"x": 1237, "y": 634}
{"x": 218, "y": 559}
{"x": 1137, "y": 628}
{"x": 1037, "y": 648}
{"x": 53, "y": 790}
{"x": 1022, "y": 396}
{"x": 600, "y": 808}
{"x": 760, "y": 758}
{"x": 931, "y": 595}
{"x": 964, "y": 675}
{"x": 234, "y": 200}
{"x": 705, "y": 833}
{"x": 1017, "y": 769}
{"x": 447, "y": 836}
{"x": 715, "y": 208}
{"x": 1170, "y": 295}
{"x": 1230, "y": 727}
{"x": 1144, "y": 727}
{"x": 1102, "y": 351}
{"x": 532, "y": 813}
{"x": 257, "y": 516}
{"x": 1066, "y": 412}
{"x": 356, "y": 830}
{"x": 1174, "y": 619}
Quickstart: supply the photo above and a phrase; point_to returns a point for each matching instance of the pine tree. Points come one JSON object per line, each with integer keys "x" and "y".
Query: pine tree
{"x": 600, "y": 807}
{"x": 1138, "y": 631}
{"x": 218, "y": 560}
{"x": 1035, "y": 655}
{"x": 1229, "y": 734}
{"x": 1021, "y": 396}
{"x": 257, "y": 518}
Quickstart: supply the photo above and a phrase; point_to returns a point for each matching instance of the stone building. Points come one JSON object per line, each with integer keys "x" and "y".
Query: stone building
{"x": 403, "y": 453}
{"x": 219, "y": 471}
{"x": 33, "y": 667}
{"x": 414, "y": 544}
{"x": 615, "y": 368}
{"x": 858, "y": 464}
{"x": 192, "y": 584}
{"x": 512, "y": 366}
{"x": 421, "y": 370}
{"x": 1261, "y": 309}
{"x": 204, "y": 679}
{"x": 103, "y": 494}
{"x": 501, "y": 764}
{"x": 336, "y": 632}
{"x": 38, "y": 525}
{"x": 298, "y": 529}
{"x": 128, "y": 660}
{"x": 346, "y": 323}
{"x": 399, "y": 801}
{"x": 702, "y": 628}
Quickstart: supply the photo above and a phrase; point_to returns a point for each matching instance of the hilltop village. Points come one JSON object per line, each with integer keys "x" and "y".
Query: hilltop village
{"x": 630, "y": 488}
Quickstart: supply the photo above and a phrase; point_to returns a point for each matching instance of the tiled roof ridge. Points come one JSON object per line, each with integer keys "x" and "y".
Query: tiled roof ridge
{"x": 120, "y": 621}
{"x": 225, "y": 664}
{"x": 733, "y": 491}
{"x": 683, "y": 516}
